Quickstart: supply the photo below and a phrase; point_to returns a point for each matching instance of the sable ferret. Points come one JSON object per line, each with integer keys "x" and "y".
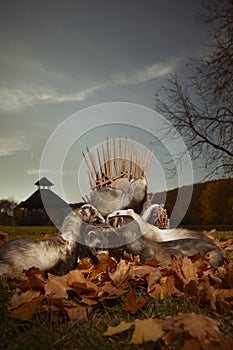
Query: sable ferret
{"x": 56, "y": 255}
{"x": 140, "y": 238}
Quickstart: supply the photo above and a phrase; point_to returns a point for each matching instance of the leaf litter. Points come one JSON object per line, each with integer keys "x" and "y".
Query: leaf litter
{"x": 75, "y": 296}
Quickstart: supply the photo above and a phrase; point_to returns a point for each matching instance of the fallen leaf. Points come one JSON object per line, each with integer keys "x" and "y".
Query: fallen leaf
{"x": 153, "y": 278}
{"x": 75, "y": 277}
{"x": 121, "y": 272}
{"x": 56, "y": 287}
{"x": 146, "y": 330}
{"x": 191, "y": 343}
{"x": 199, "y": 326}
{"x": 78, "y": 313}
{"x": 185, "y": 269}
{"x": 34, "y": 279}
{"x": 27, "y": 310}
{"x": 140, "y": 271}
{"x": 133, "y": 305}
{"x": 122, "y": 327}
{"x": 85, "y": 264}
{"x": 105, "y": 264}
{"x": 111, "y": 290}
{"x": 25, "y": 305}
{"x": 165, "y": 287}
{"x": 88, "y": 301}
{"x": 21, "y": 298}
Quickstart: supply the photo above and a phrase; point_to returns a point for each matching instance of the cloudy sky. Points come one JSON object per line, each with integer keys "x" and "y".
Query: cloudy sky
{"x": 58, "y": 57}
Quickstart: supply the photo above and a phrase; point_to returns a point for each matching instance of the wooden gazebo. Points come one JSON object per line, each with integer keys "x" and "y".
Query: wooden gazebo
{"x": 32, "y": 210}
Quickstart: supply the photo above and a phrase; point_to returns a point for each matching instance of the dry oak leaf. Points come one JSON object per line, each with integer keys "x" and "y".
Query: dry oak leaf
{"x": 25, "y": 305}
{"x": 105, "y": 264}
{"x": 146, "y": 330}
{"x": 165, "y": 287}
{"x": 133, "y": 305}
{"x": 78, "y": 313}
{"x": 153, "y": 278}
{"x": 121, "y": 272}
{"x": 56, "y": 287}
{"x": 111, "y": 290}
{"x": 121, "y": 327}
{"x": 199, "y": 326}
{"x": 75, "y": 276}
{"x": 20, "y": 298}
{"x": 185, "y": 269}
{"x": 34, "y": 279}
{"x": 85, "y": 264}
{"x": 140, "y": 271}
{"x": 191, "y": 343}
{"x": 79, "y": 283}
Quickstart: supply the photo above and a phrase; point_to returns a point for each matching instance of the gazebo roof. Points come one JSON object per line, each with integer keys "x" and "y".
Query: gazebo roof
{"x": 51, "y": 200}
{"x": 44, "y": 182}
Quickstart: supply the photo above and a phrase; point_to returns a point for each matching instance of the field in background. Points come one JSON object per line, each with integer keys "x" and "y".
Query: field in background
{"x": 29, "y": 231}
{"x": 41, "y": 231}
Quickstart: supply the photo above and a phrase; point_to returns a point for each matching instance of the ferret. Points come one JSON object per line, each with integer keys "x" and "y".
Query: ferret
{"x": 56, "y": 255}
{"x": 140, "y": 238}
{"x": 149, "y": 231}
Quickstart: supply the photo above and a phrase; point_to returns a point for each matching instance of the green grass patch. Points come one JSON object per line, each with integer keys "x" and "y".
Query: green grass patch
{"x": 29, "y": 231}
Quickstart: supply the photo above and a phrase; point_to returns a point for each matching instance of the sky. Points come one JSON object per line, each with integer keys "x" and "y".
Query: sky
{"x": 60, "y": 58}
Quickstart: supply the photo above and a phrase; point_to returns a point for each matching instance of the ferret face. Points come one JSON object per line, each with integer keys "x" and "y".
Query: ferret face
{"x": 90, "y": 214}
{"x": 120, "y": 218}
{"x": 96, "y": 239}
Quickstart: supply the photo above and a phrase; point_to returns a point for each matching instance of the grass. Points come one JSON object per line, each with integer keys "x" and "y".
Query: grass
{"x": 45, "y": 332}
{"x": 28, "y": 231}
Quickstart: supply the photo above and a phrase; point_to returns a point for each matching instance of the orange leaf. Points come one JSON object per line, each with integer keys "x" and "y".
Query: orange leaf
{"x": 105, "y": 264}
{"x": 111, "y": 290}
{"x": 21, "y": 298}
{"x": 75, "y": 276}
{"x": 133, "y": 305}
{"x": 25, "y": 305}
{"x": 122, "y": 327}
{"x": 140, "y": 271}
{"x": 79, "y": 313}
{"x": 191, "y": 344}
{"x": 27, "y": 310}
{"x": 146, "y": 330}
{"x": 153, "y": 278}
{"x": 121, "y": 273}
{"x": 199, "y": 326}
{"x": 185, "y": 269}
{"x": 166, "y": 287}
{"x": 56, "y": 287}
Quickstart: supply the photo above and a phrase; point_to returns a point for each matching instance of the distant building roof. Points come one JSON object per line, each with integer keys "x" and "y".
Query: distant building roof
{"x": 51, "y": 199}
{"x": 44, "y": 182}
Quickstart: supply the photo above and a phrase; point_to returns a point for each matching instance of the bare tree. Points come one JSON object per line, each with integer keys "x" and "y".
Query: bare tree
{"x": 200, "y": 107}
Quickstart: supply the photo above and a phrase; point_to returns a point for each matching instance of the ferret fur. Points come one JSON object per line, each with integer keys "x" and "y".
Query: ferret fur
{"x": 56, "y": 255}
{"x": 140, "y": 238}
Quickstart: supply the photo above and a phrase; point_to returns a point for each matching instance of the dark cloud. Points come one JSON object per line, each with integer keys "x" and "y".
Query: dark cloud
{"x": 60, "y": 56}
